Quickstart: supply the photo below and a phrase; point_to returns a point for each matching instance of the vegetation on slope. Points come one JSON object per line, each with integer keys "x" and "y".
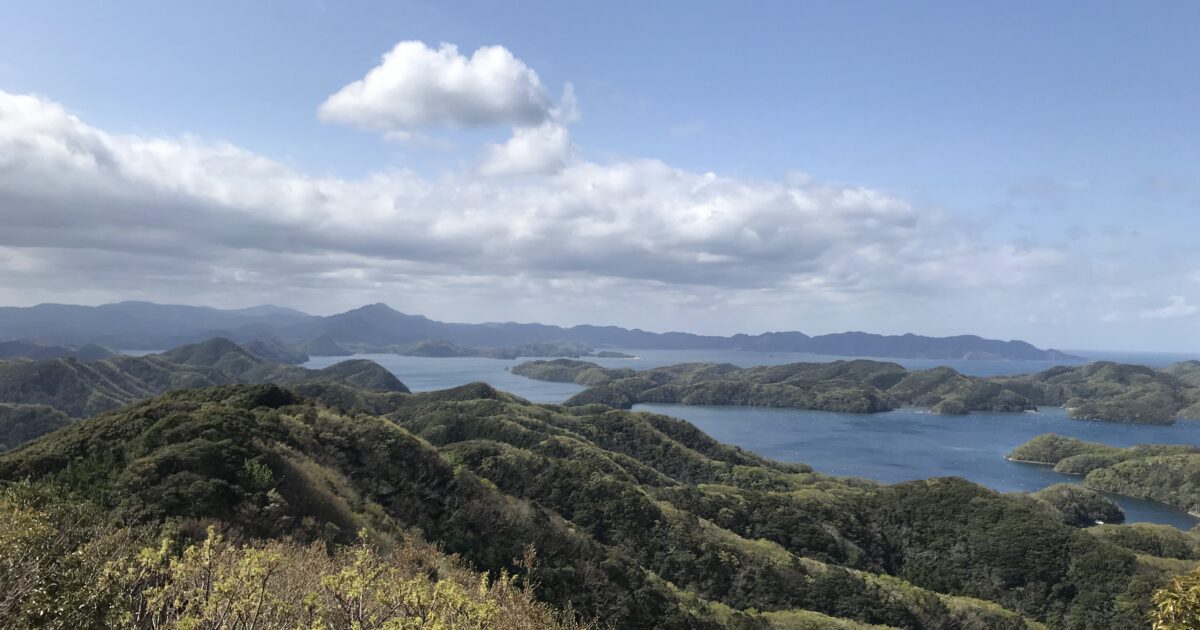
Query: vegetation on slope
{"x": 638, "y": 520}
{"x": 944, "y": 535}
{"x": 1109, "y": 391}
{"x": 63, "y": 566}
{"x": 21, "y": 349}
{"x": 22, "y": 423}
{"x": 1152, "y": 539}
{"x": 274, "y": 350}
{"x": 1080, "y": 506}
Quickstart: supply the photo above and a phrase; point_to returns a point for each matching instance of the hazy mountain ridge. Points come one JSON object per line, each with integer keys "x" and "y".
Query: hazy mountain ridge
{"x": 142, "y": 325}
{"x": 31, "y": 350}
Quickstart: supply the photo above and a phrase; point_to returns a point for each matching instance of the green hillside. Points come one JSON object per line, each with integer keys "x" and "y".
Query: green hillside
{"x": 637, "y": 520}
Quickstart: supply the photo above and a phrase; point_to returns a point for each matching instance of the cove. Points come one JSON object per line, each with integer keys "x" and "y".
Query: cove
{"x": 909, "y": 444}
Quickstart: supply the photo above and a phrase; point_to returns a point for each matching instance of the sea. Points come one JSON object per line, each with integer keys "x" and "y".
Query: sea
{"x": 890, "y": 447}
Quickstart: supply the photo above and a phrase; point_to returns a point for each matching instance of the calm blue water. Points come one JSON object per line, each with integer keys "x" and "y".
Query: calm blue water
{"x": 422, "y": 374}
{"x": 889, "y": 447}
{"x": 911, "y": 444}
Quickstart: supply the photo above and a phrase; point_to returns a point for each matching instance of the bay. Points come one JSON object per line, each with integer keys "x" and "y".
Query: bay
{"x": 908, "y": 444}
{"x": 889, "y": 447}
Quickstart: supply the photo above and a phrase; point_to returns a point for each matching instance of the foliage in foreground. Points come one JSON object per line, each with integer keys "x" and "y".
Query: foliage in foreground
{"x": 60, "y": 569}
{"x": 1177, "y": 605}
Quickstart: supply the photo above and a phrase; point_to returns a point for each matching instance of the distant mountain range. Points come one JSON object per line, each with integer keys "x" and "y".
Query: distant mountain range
{"x": 379, "y": 328}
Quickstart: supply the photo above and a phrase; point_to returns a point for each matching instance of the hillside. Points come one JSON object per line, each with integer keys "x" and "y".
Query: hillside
{"x": 22, "y": 349}
{"x": 22, "y": 423}
{"x": 272, "y": 349}
{"x": 1167, "y": 473}
{"x": 1096, "y": 391}
{"x": 379, "y": 328}
{"x": 637, "y": 520}
{"x": 80, "y": 389}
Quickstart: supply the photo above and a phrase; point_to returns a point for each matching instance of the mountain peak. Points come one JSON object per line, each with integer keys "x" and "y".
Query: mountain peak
{"x": 206, "y": 352}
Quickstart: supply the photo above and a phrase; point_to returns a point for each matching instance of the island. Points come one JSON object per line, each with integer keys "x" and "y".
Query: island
{"x": 613, "y": 354}
{"x": 1095, "y": 391}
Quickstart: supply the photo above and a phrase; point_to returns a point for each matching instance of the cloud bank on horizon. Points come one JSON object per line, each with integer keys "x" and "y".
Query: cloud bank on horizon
{"x": 530, "y": 226}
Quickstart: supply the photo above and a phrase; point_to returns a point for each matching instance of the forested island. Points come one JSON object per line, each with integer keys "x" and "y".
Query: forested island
{"x": 1167, "y": 473}
{"x": 1095, "y": 391}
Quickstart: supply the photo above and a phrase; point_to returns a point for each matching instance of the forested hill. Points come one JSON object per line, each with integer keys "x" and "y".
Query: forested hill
{"x": 1166, "y": 473}
{"x": 1096, "y": 391}
{"x": 377, "y": 327}
{"x": 21, "y": 349}
{"x": 635, "y": 520}
{"x": 38, "y": 396}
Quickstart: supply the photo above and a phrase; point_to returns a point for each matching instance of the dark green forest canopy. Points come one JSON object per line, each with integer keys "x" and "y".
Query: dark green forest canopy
{"x": 1096, "y": 391}
{"x": 639, "y": 520}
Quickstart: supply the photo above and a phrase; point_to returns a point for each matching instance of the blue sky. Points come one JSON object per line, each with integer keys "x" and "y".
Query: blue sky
{"x": 1059, "y": 142}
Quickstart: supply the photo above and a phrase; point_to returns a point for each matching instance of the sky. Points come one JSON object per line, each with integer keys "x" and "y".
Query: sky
{"x": 1015, "y": 170}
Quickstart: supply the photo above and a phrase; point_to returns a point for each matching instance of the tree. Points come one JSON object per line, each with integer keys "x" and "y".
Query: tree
{"x": 1177, "y": 605}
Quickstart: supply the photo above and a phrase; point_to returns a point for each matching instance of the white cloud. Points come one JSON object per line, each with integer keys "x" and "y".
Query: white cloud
{"x": 416, "y": 86}
{"x": 159, "y": 218}
{"x": 1177, "y": 306}
{"x": 542, "y": 149}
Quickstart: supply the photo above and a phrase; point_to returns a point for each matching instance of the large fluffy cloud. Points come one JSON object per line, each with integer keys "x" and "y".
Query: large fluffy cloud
{"x": 181, "y": 218}
{"x": 542, "y": 149}
{"x": 416, "y": 86}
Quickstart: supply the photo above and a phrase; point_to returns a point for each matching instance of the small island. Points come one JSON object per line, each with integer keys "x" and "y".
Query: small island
{"x": 613, "y": 354}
